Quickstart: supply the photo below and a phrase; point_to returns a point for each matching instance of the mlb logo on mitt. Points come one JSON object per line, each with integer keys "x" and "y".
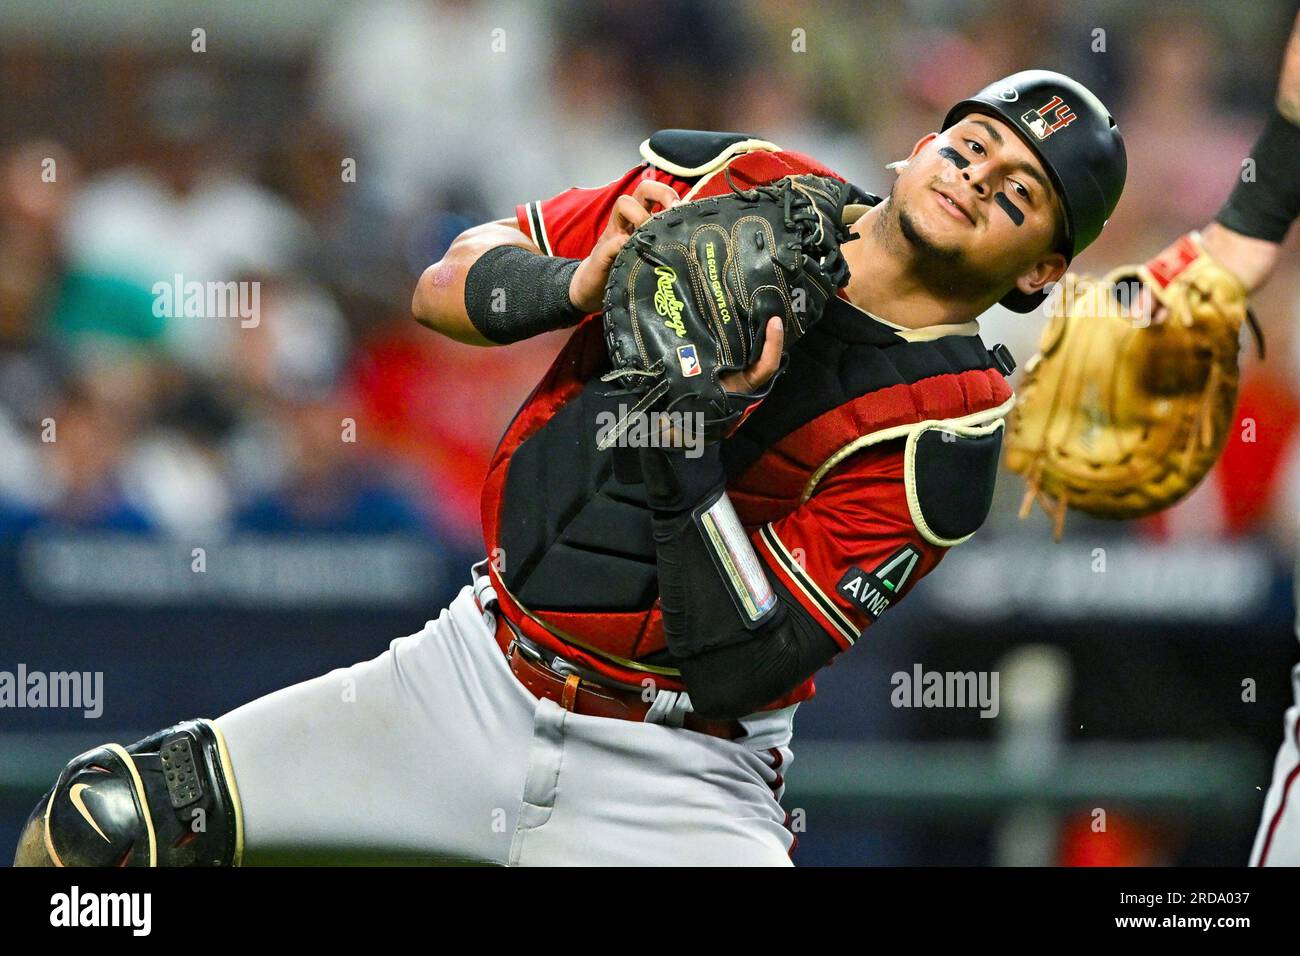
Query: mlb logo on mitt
{"x": 689, "y": 360}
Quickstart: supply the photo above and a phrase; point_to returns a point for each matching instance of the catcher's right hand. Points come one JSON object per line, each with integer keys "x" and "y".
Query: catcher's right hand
{"x": 587, "y": 288}
{"x": 1120, "y": 415}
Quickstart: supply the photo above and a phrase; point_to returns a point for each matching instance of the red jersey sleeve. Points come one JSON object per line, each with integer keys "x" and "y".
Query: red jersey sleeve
{"x": 850, "y": 552}
{"x": 569, "y": 224}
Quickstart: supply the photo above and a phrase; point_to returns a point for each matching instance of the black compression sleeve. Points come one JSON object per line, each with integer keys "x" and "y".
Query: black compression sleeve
{"x": 688, "y": 581}
{"x": 731, "y": 666}
{"x": 512, "y": 293}
{"x": 739, "y": 679}
{"x": 1265, "y": 205}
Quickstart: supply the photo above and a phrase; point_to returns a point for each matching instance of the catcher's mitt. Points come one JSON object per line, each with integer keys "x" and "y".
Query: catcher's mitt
{"x": 1119, "y": 416}
{"x": 690, "y": 294}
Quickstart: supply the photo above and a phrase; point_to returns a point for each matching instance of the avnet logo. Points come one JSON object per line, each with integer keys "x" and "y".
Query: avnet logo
{"x": 75, "y": 908}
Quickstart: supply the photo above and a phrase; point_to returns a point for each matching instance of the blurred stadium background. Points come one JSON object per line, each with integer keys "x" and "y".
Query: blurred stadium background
{"x": 1122, "y": 688}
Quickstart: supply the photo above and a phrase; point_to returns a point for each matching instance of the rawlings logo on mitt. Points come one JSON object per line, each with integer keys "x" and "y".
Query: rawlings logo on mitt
{"x": 690, "y": 294}
{"x": 1120, "y": 416}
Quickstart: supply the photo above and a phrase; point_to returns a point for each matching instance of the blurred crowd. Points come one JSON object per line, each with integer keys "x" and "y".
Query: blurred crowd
{"x": 328, "y": 179}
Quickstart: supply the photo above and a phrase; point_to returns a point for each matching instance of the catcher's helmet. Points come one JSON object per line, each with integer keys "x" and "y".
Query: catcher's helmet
{"x": 1075, "y": 138}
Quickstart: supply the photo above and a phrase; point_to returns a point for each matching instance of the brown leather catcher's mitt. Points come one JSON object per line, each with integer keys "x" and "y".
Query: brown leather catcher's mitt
{"x": 1119, "y": 416}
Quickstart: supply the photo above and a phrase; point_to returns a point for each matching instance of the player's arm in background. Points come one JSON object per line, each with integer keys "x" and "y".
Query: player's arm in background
{"x": 498, "y": 284}
{"x": 1247, "y": 233}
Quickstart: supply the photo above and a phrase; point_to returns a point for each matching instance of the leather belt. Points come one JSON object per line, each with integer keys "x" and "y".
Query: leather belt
{"x": 581, "y": 696}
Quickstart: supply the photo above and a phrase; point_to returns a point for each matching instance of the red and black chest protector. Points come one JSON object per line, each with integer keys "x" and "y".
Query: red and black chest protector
{"x": 567, "y": 528}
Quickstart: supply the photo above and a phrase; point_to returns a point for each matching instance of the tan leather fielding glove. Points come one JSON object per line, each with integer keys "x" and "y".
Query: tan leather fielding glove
{"x": 1119, "y": 416}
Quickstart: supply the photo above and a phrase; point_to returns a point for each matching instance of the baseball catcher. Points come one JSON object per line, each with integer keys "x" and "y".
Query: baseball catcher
{"x": 772, "y": 419}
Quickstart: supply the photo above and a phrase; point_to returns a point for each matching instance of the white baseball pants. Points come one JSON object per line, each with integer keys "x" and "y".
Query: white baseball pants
{"x": 434, "y": 752}
{"x": 1278, "y": 841}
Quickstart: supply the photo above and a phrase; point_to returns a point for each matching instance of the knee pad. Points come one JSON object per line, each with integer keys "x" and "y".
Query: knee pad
{"x": 167, "y": 800}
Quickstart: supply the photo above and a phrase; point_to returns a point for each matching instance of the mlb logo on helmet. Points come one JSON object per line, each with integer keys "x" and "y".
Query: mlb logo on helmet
{"x": 1048, "y": 118}
{"x": 689, "y": 360}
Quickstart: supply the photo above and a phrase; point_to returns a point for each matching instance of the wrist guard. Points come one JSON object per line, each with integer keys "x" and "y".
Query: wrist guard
{"x": 512, "y": 294}
{"x": 1265, "y": 206}
{"x": 703, "y": 553}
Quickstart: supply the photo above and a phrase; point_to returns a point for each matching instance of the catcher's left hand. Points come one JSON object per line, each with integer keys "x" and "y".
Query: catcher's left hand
{"x": 1129, "y": 402}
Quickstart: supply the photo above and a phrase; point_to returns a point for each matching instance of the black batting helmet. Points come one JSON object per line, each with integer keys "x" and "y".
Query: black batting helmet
{"x": 1075, "y": 138}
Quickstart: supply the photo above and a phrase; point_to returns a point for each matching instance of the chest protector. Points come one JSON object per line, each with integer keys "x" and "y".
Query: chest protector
{"x": 568, "y": 530}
